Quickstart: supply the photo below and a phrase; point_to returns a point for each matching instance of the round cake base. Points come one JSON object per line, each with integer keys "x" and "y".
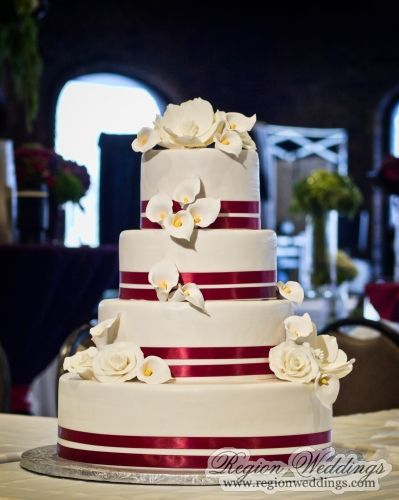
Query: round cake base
{"x": 44, "y": 460}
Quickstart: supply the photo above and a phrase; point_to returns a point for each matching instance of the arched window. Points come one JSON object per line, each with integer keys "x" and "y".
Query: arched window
{"x": 86, "y": 107}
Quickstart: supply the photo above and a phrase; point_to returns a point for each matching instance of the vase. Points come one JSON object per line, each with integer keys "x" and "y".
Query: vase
{"x": 33, "y": 215}
{"x": 322, "y": 246}
{"x": 56, "y": 229}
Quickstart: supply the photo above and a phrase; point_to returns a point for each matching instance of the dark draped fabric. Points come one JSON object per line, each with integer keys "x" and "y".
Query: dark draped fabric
{"x": 47, "y": 291}
{"x": 119, "y": 186}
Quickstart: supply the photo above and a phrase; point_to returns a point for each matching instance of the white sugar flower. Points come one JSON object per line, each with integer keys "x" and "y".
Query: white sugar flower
{"x": 187, "y": 190}
{"x": 191, "y": 293}
{"x": 298, "y": 327}
{"x": 159, "y": 207}
{"x": 154, "y": 370}
{"x": 81, "y": 363}
{"x": 333, "y": 362}
{"x": 105, "y": 332}
{"x": 327, "y": 389}
{"x": 239, "y": 122}
{"x": 117, "y": 362}
{"x": 204, "y": 211}
{"x": 293, "y": 362}
{"x": 180, "y": 225}
{"x": 163, "y": 276}
{"x": 190, "y": 124}
{"x": 229, "y": 142}
{"x": 247, "y": 141}
{"x": 291, "y": 291}
{"x": 146, "y": 139}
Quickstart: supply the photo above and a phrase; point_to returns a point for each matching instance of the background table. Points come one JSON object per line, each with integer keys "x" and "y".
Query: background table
{"x": 47, "y": 292}
{"x": 375, "y": 434}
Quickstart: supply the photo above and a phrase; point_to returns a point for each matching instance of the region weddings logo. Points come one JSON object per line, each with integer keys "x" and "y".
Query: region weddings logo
{"x": 307, "y": 469}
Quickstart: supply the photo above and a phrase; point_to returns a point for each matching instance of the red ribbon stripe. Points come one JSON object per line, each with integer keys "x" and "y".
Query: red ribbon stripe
{"x": 226, "y": 207}
{"x": 261, "y": 351}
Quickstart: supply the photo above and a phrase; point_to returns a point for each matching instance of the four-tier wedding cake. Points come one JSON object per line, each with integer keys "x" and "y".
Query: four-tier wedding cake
{"x": 201, "y": 350}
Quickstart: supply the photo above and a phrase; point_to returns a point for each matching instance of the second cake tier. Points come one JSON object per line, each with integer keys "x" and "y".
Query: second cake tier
{"x": 225, "y": 264}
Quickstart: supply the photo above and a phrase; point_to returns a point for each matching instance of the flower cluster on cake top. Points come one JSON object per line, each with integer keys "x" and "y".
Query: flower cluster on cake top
{"x": 195, "y": 124}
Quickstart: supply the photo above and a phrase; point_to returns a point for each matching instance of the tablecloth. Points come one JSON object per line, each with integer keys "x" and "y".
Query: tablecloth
{"x": 372, "y": 433}
{"x": 385, "y": 299}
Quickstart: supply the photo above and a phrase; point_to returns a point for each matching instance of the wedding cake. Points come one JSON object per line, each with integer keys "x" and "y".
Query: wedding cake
{"x": 201, "y": 350}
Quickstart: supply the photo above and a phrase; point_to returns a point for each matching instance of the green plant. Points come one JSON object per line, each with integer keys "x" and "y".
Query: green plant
{"x": 19, "y": 52}
{"x": 323, "y": 191}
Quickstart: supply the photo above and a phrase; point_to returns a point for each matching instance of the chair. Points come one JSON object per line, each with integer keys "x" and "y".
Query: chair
{"x": 373, "y": 384}
{"x": 5, "y": 382}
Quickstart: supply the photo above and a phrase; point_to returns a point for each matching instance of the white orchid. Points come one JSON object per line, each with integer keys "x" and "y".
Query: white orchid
{"x": 191, "y": 124}
{"x": 186, "y": 192}
{"x": 293, "y": 362}
{"x": 154, "y": 370}
{"x": 180, "y": 225}
{"x": 204, "y": 211}
{"x": 163, "y": 276}
{"x": 239, "y": 122}
{"x": 327, "y": 389}
{"x": 105, "y": 332}
{"x": 191, "y": 293}
{"x": 159, "y": 208}
{"x": 146, "y": 139}
{"x": 81, "y": 363}
{"x": 298, "y": 327}
{"x": 229, "y": 142}
{"x": 291, "y": 291}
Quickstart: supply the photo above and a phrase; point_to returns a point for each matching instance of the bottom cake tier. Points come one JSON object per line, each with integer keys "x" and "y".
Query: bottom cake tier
{"x": 179, "y": 425}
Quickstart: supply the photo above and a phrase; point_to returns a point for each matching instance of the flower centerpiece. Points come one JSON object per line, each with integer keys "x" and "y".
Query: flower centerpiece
{"x": 387, "y": 177}
{"x": 316, "y": 196}
{"x": 41, "y": 169}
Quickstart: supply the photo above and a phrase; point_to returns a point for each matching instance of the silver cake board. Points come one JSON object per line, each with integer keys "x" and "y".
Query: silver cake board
{"x": 44, "y": 460}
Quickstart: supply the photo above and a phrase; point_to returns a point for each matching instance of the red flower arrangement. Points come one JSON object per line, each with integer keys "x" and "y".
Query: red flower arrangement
{"x": 388, "y": 175}
{"x": 37, "y": 166}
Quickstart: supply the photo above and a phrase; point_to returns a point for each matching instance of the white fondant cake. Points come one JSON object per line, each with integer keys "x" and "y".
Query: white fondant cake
{"x": 186, "y": 359}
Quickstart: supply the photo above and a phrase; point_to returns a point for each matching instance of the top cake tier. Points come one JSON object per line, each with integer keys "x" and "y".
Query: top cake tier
{"x": 232, "y": 180}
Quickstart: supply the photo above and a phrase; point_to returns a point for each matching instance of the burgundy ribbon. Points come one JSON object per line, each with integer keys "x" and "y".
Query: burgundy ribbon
{"x": 206, "y": 278}
{"x": 147, "y": 460}
{"x": 220, "y": 223}
{"x": 233, "y": 370}
{"x": 250, "y": 293}
{"x": 226, "y": 207}
{"x": 261, "y": 351}
{"x": 194, "y": 442}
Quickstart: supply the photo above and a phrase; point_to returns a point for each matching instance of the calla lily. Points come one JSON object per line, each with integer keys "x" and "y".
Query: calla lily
{"x": 191, "y": 293}
{"x": 159, "y": 207}
{"x": 298, "y": 327}
{"x": 239, "y": 122}
{"x": 146, "y": 139}
{"x": 247, "y": 141}
{"x": 180, "y": 225}
{"x": 291, "y": 291}
{"x": 204, "y": 211}
{"x": 187, "y": 190}
{"x": 333, "y": 361}
{"x": 105, "y": 332}
{"x": 154, "y": 370}
{"x": 327, "y": 389}
{"x": 163, "y": 276}
{"x": 229, "y": 142}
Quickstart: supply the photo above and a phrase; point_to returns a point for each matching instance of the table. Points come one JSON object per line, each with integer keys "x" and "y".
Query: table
{"x": 371, "y": 433}
{"x": 49, "y": 291}
{"x": 385, "y": 299}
